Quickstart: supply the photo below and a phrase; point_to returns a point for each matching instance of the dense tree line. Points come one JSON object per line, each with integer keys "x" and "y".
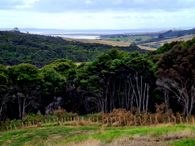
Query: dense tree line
{"x": 116, "y": 79}
{"x": 39, "y": 50}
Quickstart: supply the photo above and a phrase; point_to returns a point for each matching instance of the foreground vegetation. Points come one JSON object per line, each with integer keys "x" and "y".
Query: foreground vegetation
{"x": 95, "y": 135}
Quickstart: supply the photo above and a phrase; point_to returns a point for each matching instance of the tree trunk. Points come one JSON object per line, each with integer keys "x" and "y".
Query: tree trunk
{"x": 20, "y": 107}
{"x": 166, "y": 99}
{"x": 181, "y": 91}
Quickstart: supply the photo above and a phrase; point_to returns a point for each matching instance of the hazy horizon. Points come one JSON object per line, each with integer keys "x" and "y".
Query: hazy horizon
{"x": 100, "y": 31}
{"x": 97, "y": 14}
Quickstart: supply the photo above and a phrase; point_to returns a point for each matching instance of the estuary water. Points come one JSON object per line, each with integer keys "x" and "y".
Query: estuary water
{"x": 82, "y": 34}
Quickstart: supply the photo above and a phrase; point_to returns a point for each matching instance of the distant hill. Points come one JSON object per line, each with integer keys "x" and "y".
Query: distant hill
{"x": 177, "y": 33}
{"x": 149, "y": 40}
{"x": 16, "y": 48}
{"x": 170, "y": 34}
{"x": 159, "y": 39}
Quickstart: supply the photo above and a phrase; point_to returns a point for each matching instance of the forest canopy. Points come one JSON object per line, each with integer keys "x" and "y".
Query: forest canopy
{"x": 116, "y": 79}
{"x": 39, "y": 50}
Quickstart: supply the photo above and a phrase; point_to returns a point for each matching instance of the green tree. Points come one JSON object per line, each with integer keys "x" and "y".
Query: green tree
{"x": 108, "y": 82}
{"x": 4, "y": 90}
{"x": 25, "y": 84}
{"x": 176, "y": 73}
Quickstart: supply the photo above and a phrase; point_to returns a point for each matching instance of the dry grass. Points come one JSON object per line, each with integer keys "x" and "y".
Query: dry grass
{"x": 90, "y": 142}
{"x": 187, "y": 133}
{"x": 121, "y": 117}
{"x": 112, "y": 43}
{"x": 79, "y": 123}
{"x": 137, "y": 141}
{"x": 147, "y": 48}
{"x": 105, "y": 42}
{"x": 161, "y": 43}
{"x": 144, "y": 46}
{"x": 140, "y": 140}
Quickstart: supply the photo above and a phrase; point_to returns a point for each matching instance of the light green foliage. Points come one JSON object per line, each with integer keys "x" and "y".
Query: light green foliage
{"x": 129, "y": 38}
{"x": 62, "y": 134}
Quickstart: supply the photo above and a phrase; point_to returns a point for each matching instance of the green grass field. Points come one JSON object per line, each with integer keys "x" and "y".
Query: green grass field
{"x": 95, "y": 135}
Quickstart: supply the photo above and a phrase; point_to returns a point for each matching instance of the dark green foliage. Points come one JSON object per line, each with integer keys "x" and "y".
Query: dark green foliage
{"x": 108, "y": 79}
{"x": 3, "y": 78}
{"x": 115, "y": 79}
{"x": 176, "y": 73}
{"x": 4, "y": 88}
{"x": 16, "y": 48}
{"x": 24, "y": 87}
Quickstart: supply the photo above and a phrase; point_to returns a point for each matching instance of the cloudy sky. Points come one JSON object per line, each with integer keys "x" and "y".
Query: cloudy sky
{"x": 97, "y": 14}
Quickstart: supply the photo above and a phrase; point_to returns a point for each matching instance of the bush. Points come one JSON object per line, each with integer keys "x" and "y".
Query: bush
{"x": 33, "y": 118}
{"x": 61, "y": 113}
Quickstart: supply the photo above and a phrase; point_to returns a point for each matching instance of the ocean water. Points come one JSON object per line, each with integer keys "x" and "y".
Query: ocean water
{"x": 78, "y": 36}
{"x": 87, "y": 32}
{"x": 82, "y": 34}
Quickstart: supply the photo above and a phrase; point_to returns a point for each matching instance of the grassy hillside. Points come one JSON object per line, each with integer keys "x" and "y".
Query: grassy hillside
{"x": 95, "y": 135}
{"x": 160, "y": 43}
{"x": 16, "y": 48}
{"x": 177, "y": 33}
{"x": 150, "y": 41}
{"x": 114, "y": 43}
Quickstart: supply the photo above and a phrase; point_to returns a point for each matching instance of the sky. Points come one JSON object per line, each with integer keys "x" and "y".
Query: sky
{"x": 97, "y": 14}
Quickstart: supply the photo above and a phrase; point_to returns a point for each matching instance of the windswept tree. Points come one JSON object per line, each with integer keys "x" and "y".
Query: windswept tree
{"x": 25, "y": 85}
{"x": 117, "y": 80}
{"x": 140, "y": 80}
{"x": 176, "y": 73}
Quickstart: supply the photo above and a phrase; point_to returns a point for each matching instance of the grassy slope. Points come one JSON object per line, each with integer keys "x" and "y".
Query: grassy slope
{"x": 105, "y": 42}
{"x": 112, "y": 43}
{"x": 61, "y": 135}
{"x": 162, "y": 42}
{"x": 148, "y": 41}
{"x": 151, "y": 46}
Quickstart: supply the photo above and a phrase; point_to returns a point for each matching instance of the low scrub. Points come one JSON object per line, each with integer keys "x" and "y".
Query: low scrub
{"x": 122, "y": 117}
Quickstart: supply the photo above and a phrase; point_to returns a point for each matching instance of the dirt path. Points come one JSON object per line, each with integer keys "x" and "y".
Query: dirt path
{"x": 123, "y": 142}
{"x": 141, "y": 140}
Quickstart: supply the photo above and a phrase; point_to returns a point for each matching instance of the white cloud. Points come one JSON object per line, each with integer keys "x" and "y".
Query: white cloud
{"x": 99, "y": 20}
{"x": 96, "y": 5}
{"x": 97, "y": 14}
{"x": 26, "y": 4}
{"x": 17, "y": 4}
{"x": 88, "y": 2}
{"x": 99, "y": 5}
